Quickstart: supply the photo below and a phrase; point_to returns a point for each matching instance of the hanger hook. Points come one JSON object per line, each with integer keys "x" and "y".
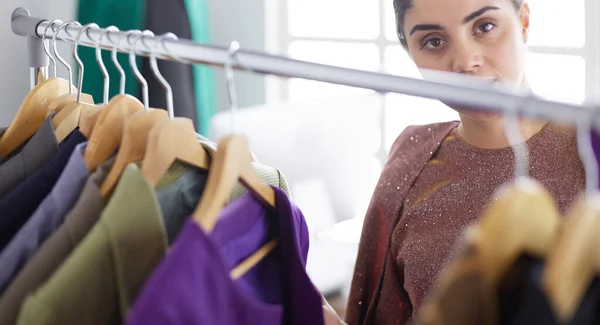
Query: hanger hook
{"x": 63, "y": 61}
{"x": 586, "y": 149}
{"x": 512, "y": 130}
{"x": 45, "y": 45}
{"x": 115, "y": 61}
{"x": 101, "y": 64}
{"x": 133, "y": 64}
{"x": 234, "y": 47}
{"x": 78, "y": 59}
{"x": 161, "y": 79}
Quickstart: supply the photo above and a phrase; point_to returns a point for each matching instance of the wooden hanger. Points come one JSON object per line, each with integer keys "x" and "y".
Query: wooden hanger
{"x": 521, "y": 219}
{"x": 171, "y": 139}
{"x": 168, "y": 141}
{"x": 31, "y": 114}
{"x": 231, "y": 163}
{"x": 75, "y": 115}
{"x": 574, "y": 260}
{"x": 74, "y": 110}
{"x": 108, "y": 130}
{"x": 133, "y": 146}
{"x": 57, "y": 104}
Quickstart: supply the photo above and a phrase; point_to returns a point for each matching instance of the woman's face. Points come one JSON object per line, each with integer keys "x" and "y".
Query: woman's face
{"x": 483, "y": 38}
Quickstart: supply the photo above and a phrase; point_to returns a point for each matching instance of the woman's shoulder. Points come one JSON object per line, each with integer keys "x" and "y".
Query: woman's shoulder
{"x": 421, "y": 137}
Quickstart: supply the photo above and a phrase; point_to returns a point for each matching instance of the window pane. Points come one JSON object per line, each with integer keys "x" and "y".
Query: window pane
{"x": 557, "y": 23}
{"x": 357, "y": 19}
{"x": 403, "y": 110}
{"x": 348, "y": 55}
{"x": 566, "y": 82}
{"x": 398, "y": 62}
{"x": 553, "y": 23}
{"x": 390, "y": 22}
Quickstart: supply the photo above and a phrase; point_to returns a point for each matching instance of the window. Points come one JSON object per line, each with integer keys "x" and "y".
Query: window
{"x": 361, "y": 34}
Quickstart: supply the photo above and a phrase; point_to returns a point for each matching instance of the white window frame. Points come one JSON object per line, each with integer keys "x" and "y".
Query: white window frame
{"x": 278, "y": 40}
{"x": 592, "y": 28}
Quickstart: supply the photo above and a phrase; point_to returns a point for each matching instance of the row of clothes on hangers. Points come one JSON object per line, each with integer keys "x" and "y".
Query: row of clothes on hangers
{"x": 117, "y": 214}
{"x": 523, "y": 262}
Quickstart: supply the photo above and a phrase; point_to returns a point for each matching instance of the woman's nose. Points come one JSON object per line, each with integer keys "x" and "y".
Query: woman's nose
{"x": 467, "y": 59}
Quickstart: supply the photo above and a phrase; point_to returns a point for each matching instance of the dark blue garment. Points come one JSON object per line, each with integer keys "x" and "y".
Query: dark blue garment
{"x": 18, "y": 205}
{"x": 48, "y": 217}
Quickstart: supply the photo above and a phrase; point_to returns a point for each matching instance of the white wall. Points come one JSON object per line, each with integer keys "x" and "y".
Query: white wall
{"x": 242, "y": 21}
{"x": 248, "y": 29}
{"x": 14, "y": 76}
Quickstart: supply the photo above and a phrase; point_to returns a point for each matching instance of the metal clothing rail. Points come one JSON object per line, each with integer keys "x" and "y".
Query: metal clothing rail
{"x": 483, "y": 98}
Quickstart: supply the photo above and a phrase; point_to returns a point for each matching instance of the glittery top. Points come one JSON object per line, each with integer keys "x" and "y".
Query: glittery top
{"x": 433, "y": 185}
{"x": 452, "y": 190}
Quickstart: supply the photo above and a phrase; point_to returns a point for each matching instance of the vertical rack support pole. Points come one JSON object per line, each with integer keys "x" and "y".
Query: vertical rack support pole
{"x": 38, "y": 61}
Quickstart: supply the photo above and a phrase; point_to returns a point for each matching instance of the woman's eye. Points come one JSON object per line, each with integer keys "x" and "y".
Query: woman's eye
{"x": 432, "y": 43}
{"x": 486, "y": 27}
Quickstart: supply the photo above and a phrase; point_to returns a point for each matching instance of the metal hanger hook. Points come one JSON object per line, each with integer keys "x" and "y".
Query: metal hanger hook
{"x": 512, "y": 130}
{"x": 45, "y": 45}
{"x": 586, "y": 149}
{"x": 113, "y": 55}
{"x": 178, "y": 59}
{"x": 63, "y": 61}
{"x": 78, "y": 59}
{"x": 133, "y": 64}
{"x": 161, "y": 79}
{"x": 234, "y": 47}
{"x": 101, "y": 64}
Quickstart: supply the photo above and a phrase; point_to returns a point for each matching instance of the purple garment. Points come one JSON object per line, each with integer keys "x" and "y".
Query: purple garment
{"x": 19, "y": 204}
{"x": 596, "y": 147}
{"x": 192, "y": 284}
{"x": 46, "y": 219}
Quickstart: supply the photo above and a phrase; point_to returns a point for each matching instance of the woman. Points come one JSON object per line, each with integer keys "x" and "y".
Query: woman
{"x": 439, "y": 177}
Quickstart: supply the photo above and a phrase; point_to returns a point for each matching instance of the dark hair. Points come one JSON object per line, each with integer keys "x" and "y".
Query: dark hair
{"x": 401, "y": 6}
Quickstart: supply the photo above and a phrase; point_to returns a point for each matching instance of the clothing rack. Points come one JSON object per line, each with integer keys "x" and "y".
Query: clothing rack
{"x": 446, "y": 89}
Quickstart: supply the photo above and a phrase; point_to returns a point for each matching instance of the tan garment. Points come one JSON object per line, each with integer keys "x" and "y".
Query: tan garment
{"x": 267, "y": 174}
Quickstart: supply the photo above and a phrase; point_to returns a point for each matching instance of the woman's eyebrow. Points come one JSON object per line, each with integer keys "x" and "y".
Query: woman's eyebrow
{"x": 466, "y": 20}
{"x": 478, "y": 13}
{"x": 425, "y": 27}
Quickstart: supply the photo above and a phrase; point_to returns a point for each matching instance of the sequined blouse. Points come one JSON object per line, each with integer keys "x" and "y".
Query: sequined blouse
{"x": 452, "y": 190}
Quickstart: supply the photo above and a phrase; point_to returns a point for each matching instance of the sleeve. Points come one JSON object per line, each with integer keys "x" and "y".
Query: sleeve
{"x": 377, "y": 288}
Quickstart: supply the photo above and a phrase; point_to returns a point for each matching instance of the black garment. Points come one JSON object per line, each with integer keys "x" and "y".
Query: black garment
{"x": 522, "y": 299}
{"x": 520, "y": 296}
{"x": 163, "y": 16}
{"x": 19, "y": 204}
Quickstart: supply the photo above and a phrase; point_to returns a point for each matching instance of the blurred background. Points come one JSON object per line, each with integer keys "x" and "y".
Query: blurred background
{"x": 329, "y": 141}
